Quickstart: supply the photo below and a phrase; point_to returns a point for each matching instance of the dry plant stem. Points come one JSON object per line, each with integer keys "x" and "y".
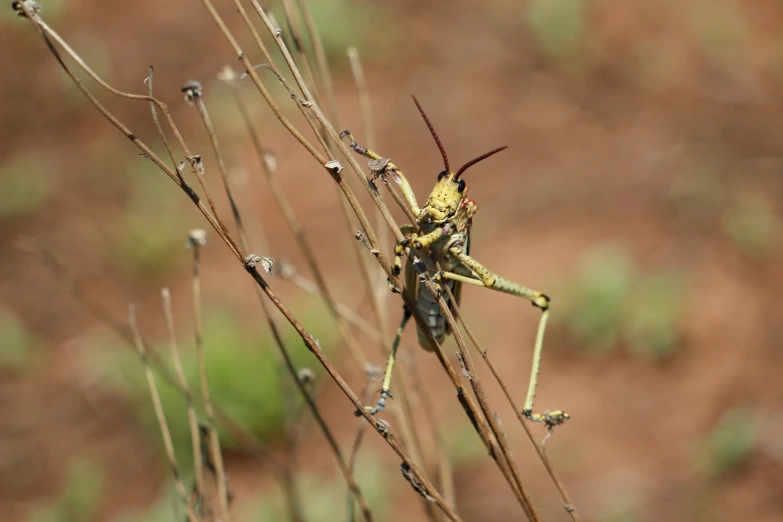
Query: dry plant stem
{"x": 413, "y": 470}
{"x": 369, "y": 133}
{"x": 406, "y": 420}
{"x": 192, "y": 418}
{"x": 568, "y": 505}
{"x": 293, "y": 222}
{"x": 156, "y": 402}
{"x": 366, "y": 395}
{"x": 330, "y": 369}
{"x": 272, "y": 325}
{"x": 324, "y": 73}
{"x": 296, "y": 36}
{"x": 294, "y": 225}
{"x": 410, "y": 434}
{"x": 325, "y": 82}
{"x": 214, "y": 441}
{"x": 123, "y": 331}
{"x": 47, "y": 32}
{"x": 311, "y": 101}
{"x": 444, "y": 465}
{"x": 287, "y": 474}
{"x": 352, "y": 317}
{"x": 259, "y": 85}
{"x": 350, "y": 221}
{"x": 507, "y": 462}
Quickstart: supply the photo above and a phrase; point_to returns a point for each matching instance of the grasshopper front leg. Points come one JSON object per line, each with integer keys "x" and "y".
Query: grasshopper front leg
{"x": 487, "y": 279}
{"x": 407, "y": 190}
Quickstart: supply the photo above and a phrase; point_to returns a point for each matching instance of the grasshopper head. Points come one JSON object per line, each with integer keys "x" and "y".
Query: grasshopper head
{"x": 446, "y": 196}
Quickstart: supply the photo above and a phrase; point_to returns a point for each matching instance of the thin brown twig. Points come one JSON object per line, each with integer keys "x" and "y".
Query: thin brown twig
{"x": 194, "y": 160}
{"x": 160, "y": 415}
{"x": 196, "y": 241}
{"x": 407, "y": 425}
{"x": 195, "y": 436}
{"x": 287, "y": 272}
{"x": 444, "y": 464}
{"x": 567, "y": 503}
{"x": 507, "y": 462}
{"x": 246, "y": 440}
{"x": 293, "y": 222}
{"x": 197, "y": 98}
{"x": 368, "y": 126}
{"x": 411, "y": 471}
{"x": 46, "y": 33}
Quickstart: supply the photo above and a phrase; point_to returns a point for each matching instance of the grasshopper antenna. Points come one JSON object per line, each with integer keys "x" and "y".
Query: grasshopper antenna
{"x": 476, "y": 160}
{"x": 432, "y": 131}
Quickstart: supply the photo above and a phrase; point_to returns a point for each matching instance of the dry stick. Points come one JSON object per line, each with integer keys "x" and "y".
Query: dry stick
{"x": 507, "y": 465}
{"x": 324, "y": 73}
{"x": 175, "y": 176}
{"x": 444, "y": 464}
{"x": 196, "y": 241}
{"x": 196, "y": 98}
{"x": 287, "y": 272}
{"x": 192, "y": 418}
{"x": 509, "y": 471}
{"x": 507, "y": 468}
{"x": 378, "y": 291}
{"x": 123, "y": 331}
{"x": 156, "y": 403}
{"x": 322, "y": 82}
{"x": 479, "y": 422}
{"x": 423, "y": 484}
{"x": 366, "y": 395}
{"x": 326, "y": 84}
{"x": 296, "y": 228}
{"x": 407, "y": 424}
{"x": 289, "y": 11}
{"x": 568, "y": 505}
{"x": 327, "y": 365}
{"x": 194, "y": 161}
{"x": 478, "y": 389}
{"x": 369, "y": 134}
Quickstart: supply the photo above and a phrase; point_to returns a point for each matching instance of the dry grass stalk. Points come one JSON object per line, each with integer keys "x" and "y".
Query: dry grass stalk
{"x": 487, "y": 424}
{"x": 197, "y": 240}
{"x": 161, "y": 416}
{"x": 195, "y": 435}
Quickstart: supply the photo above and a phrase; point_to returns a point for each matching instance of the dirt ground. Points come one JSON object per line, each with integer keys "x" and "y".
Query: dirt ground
{"x": 658, "y": 112}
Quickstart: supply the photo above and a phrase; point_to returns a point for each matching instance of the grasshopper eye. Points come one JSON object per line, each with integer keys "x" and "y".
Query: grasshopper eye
{"x": 461, "y": 186}
{"x": 442, "y": 175}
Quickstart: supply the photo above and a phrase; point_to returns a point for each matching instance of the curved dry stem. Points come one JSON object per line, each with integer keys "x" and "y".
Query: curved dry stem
{"x": 195, "y": 436}
{"x": 194, "y": 161}
{"x": 567, "y": 503}
{"x": 347, "y": 473}
{"x": 160, "y": 415}
{"x": 211, "y": 427}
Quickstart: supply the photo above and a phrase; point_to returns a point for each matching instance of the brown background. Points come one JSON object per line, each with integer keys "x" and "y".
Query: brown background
{"x": 650, "y": 126}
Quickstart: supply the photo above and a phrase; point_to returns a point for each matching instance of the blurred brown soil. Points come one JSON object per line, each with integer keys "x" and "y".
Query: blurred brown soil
{"x": 593, "y": 153}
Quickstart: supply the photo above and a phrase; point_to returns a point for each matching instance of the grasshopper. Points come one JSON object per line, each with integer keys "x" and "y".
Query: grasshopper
{"x": 439, "y": 244}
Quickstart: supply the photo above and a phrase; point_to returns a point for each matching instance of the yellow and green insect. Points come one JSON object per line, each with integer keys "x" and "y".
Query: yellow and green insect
{"x": 439, "y": 243}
